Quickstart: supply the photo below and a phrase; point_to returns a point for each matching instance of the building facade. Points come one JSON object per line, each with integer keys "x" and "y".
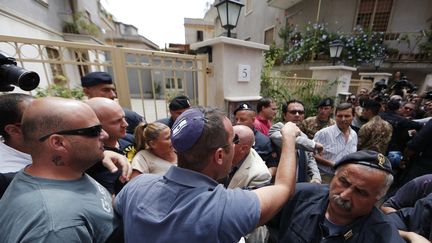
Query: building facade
{"x": 406, "y": 27}
{"x": 75, "y": 21}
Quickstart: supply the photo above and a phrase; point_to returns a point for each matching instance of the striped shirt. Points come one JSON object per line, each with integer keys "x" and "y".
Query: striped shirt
{"x": 335, "y": 146}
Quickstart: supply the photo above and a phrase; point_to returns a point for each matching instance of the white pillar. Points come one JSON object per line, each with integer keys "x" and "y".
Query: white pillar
{"x": 235, "y": 74}
{"x": 427, "y": 84}
{"x": 341, "y": 75}
{"x": 375, "y": 77}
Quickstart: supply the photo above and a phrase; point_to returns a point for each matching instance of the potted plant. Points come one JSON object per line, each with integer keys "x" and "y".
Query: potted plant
{"x": 59, "y": 88}
{"x": 426, "y": 47}
{"x": 158, "y": 91}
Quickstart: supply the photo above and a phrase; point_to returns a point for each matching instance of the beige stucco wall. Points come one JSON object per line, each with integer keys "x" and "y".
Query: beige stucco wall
{"x": 223, "y": 81}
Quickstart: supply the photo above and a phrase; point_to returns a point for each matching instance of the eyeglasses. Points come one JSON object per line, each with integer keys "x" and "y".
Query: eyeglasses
{"x": 93, "y": 131}
{"x": 236, "y": 139}
{"x": 408, "y": 108}
{"x": 294, "y": 112}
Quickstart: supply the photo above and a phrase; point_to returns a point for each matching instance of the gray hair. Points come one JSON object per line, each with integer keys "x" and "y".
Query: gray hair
{"x": 388, "y": 178}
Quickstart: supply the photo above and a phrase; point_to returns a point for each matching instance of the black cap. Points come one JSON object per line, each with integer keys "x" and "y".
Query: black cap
{"x": 325, "y": 102}
{"x": 179, "y": 103}
{"x": 370, "y": 104}
{"x": 368, "y": 158}
{"x": 96, "y": 78}
{"x": 243, "y": 107}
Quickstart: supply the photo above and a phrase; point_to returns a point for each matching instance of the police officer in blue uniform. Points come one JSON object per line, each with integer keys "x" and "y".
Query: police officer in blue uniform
{"x": 343, "y": 211}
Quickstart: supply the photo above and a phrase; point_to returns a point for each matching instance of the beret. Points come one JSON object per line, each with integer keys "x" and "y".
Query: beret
{"x": 187, "y": 129}
{"x": 243, "y": 107}
{"x": 325, "y": 102}
{"x": 368, "y": 158}
{"x": 179, "y": 103}
{"x": 370, "y": 104}
{"x": 96, "y": 78}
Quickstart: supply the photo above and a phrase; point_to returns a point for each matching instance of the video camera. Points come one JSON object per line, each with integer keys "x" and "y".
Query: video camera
{"x": 403, "y": 83}
{"x": 428, "y": 95}
{"x": 10, "y": 75}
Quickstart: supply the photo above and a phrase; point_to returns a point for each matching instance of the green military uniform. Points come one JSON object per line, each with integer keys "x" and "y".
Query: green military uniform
{"x": 375, "y": 135}
{"x": 311, "y": 125}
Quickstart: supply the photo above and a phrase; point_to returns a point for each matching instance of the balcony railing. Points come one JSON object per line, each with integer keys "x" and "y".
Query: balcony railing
{"x": 282, "y": 4}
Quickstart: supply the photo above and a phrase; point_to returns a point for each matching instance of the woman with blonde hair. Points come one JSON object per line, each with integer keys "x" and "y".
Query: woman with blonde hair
{"x": 155, "y": 153}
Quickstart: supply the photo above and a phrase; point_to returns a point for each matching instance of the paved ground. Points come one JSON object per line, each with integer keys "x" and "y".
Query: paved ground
{"x": 151, "y": 109}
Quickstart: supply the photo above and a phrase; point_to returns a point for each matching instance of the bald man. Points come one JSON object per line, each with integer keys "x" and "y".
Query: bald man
{"x": 100, "y": 84}
{"x": 65, "y": 139}
{"x": 250, "y": 171}
{"x": 245, "y": 115}
{"x": 112, "y": 119}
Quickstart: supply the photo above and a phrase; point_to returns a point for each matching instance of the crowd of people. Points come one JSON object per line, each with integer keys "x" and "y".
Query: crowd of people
{"x": 92, "y": 171}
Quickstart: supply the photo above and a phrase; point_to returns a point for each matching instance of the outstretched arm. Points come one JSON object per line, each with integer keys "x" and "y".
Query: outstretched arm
{"x": 272, "y": 198}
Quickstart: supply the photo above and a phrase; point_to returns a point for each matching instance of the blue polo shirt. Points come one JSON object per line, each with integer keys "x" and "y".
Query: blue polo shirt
{"x": 185, "y": 206}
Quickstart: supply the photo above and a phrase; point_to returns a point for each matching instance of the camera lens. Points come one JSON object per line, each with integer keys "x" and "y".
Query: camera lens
{"x": 26, "y": 80}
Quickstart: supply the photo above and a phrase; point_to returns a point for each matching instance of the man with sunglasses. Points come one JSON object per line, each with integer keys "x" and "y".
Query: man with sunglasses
{"x": 112, "y": 119}
{"x": 248, "y": 171}
{"x": 293, "y": 111}
{"x": 245, "y": 115}
{"x": 53, "y": 199}
{"x": 14, "y": 152}
{"x": 187, "y": 204}
{"x": 100, "y": 84}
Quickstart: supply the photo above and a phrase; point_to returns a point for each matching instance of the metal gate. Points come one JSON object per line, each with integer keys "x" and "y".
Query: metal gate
{"x": 145, "y": 80}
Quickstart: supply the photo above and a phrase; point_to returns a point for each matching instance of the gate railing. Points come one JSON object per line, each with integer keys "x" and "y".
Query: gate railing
{"x": 145, "y": 80}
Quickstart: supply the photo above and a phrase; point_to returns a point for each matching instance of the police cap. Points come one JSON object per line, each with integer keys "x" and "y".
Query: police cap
{"x": 96, "y": 78}
{"x": 368, "y": 158}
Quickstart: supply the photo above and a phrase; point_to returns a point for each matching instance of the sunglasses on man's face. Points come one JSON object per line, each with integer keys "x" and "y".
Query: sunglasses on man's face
{"x": 93, "y": 131}
{"x": 236, "y": 139}
{"x": 294, "y": 112}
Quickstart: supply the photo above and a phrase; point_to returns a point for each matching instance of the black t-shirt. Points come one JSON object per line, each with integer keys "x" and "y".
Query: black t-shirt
{"x": 107, "y": 179}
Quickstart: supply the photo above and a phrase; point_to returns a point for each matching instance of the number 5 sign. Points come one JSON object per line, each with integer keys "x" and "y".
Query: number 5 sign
{"x": 244, "y": 73}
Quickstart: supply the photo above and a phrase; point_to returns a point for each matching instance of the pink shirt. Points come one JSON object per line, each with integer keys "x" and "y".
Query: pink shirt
{"x": 262, "y": 125}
